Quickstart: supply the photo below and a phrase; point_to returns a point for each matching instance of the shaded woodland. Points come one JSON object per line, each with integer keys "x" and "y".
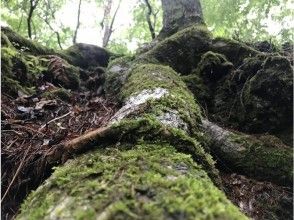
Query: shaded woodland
{"x": 191, "y": 125}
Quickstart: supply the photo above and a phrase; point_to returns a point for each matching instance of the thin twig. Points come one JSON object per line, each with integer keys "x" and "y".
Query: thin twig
{"x": 17, "y": 172}
{"x": 55, "y": 119}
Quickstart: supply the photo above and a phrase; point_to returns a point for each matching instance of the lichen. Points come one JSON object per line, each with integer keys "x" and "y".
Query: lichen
{"x": 116, "y": 75}
{"x": 130, "y": 182}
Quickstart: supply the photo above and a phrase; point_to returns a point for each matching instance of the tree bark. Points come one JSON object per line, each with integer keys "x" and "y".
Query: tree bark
{"x": 179, "y": 14}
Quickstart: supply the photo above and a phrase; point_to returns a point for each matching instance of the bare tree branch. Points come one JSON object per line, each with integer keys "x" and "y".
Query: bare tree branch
{"x": 110, "y": 30}
{"x": 33, "y": 5}
{"x": 78, "y": 23}
{"x": 148, "y": 18}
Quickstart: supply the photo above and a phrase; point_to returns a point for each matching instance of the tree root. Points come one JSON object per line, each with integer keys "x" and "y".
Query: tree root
{"x": 261, "y": 157}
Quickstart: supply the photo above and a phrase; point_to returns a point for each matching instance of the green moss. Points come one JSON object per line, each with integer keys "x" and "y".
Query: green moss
{"x": 61, "y": 93}
{"x": 179, "y": 98}
{"x": 122, "y": 61}
{"x": 116, "y": 75}
{"x": 235, "y": 51}
{"x": 11, "y": 86}
{"x": 5, "y": 41}
{"x": 200, "y": 90}
{"x": 123, "y": 183}
{"x": 268, "y": 96}
{"x": 148, "y": 128}
{"x": 85, "y": 55}
{"x": 265, "y": 158}
{"x": 24, "y": 44}
{"x": 212, "y": 67}
{"x": 181, "y": 51}
{"x": 19, "y": 71}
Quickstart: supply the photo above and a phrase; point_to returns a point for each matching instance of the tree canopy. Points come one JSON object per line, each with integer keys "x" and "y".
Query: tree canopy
{"x": 243, "y": 20}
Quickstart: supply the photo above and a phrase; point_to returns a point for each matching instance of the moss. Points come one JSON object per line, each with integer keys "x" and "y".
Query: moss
{"x": 268, "y": 96}
{"x": 5, "y": 41}
{"x": 235, "y": 51}
{"x": 147, "y": 128}
{"x": 212, "y": 67}
{"x": 24, "y": 44}
{"x": 61, "y": 73}
{"x": 179, "y": 98}
{"x": 116, "y": 75}
{"x": 181, "y": 51}
{"x": 12, "y": 87}
{"x": 86, "y": 55}
{"x": 200, "y": 90}
{"x": 265, "y": 157}
{"x": 61, "y": 93}
{"x": 245, "y": 98}
{"x": 130, "y": 183}
{"x": 19, "y": 71}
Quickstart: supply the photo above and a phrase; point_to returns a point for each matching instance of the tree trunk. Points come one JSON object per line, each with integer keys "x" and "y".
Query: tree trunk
{"x": 108, "y": 21}
{"x": 179, "y": 14}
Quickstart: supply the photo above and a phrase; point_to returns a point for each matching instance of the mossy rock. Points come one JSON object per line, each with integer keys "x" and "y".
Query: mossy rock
{"x": 212, "y": 67}
{"x": 5, "y": 41}
{"x": 24, "y": 44}
{"x": 20, "y": 71}
{"x": 255, "y": 95}
{"x": 200, "y": 90}
{"x": 116, "y": 75}
{"x": 235, "y": 51}
{"x": 129, "y": 182}
{"x": 268, "y": 96}
{"x": 61, "y": 73}
{"x": 181, "y": 51}
{"x": 86, "y": 55}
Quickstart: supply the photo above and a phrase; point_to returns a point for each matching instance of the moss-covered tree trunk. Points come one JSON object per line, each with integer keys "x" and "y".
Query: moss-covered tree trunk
{"x": 158, "y": 163}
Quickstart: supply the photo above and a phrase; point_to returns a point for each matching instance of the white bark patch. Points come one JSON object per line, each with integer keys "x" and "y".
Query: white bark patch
{"x": 172, "y": 119}
{"x": 221, "y": 136}
{"x": 117, "y": 69}
{"x": 134, "y": 102}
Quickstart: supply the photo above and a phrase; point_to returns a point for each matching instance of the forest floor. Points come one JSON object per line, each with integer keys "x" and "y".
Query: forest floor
{"x": 31, "y": 127}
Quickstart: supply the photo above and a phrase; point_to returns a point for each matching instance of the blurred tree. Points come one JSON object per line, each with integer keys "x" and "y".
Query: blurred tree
{"x": 245, "y": 20}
